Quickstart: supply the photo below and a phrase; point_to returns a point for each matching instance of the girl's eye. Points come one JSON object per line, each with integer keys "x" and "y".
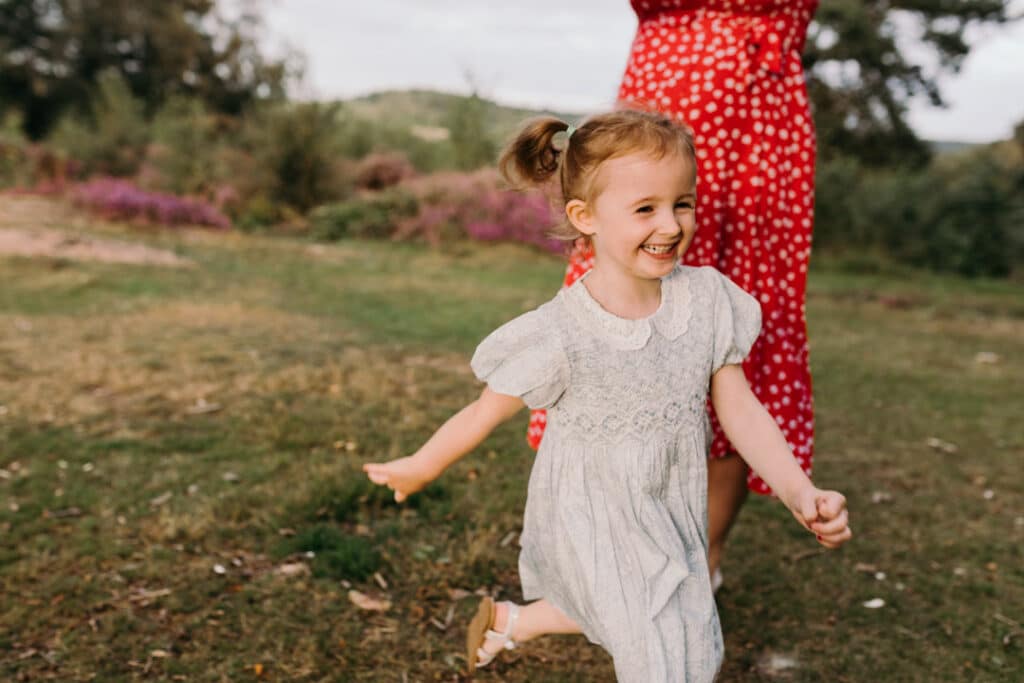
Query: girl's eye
{"x": 644, "y": 209}
{"x": 684, "y": 205}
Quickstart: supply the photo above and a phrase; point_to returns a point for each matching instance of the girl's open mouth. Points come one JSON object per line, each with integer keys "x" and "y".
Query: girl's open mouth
{"x": 660, "y": 251}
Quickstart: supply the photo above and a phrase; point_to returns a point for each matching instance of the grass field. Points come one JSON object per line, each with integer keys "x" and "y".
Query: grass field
{"x": 180, "y": 496}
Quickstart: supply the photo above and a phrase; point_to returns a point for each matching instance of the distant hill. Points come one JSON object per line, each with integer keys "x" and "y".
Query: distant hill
{"x": 429, "y": 109}
{"x": 951, "y": 147}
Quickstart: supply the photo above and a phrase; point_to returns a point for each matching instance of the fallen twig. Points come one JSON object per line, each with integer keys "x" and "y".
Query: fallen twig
{"x": 806, "y": 555}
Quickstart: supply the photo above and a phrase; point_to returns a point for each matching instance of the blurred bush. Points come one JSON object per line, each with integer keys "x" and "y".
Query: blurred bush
{"x": 397, "y": 177}
{"x": 296, "y": 144}
{"x": 476, "y": 205}
{"x": 111, "y": 138}
{"x": 441, "y": 208}
{"x": 15, "y": 167}
{"x": 372, "y": 215}
{"x": 964, "y": 213}
{"x": 29, "y": 166}
{"x": 977, "y": 215}
{"x": 186, "y": 142}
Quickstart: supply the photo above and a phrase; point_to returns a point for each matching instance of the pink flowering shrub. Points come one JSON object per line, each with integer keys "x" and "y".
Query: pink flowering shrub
{"x": 475, "y": 205}
{"x": 122, "y": 200}
{"x": 506, "y": 216}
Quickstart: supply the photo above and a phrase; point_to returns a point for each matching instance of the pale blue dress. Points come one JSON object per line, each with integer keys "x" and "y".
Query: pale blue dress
{"x": 615, "y": 528}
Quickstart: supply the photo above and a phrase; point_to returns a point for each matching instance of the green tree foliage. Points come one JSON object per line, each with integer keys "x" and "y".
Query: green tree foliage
{"x": 53, "y": 51}
{"x": 962, "y": 213}
{"x": 111, "y": 137}
{"x": 185, "y": 147}
{"x": 861, "y": 76}
{"x": 14, "y": 169}
{"x": 374, "y": 215}
{"x": 297, "y": 144}
{"x": 467, "y": 125}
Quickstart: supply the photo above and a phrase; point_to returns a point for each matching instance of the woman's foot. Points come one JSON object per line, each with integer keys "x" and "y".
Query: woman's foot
{"x": 716, "y": 580}
{"x": 491, "y": 631}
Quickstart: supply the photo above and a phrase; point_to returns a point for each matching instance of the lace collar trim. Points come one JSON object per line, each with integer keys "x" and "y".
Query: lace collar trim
{"x": 671, "y": 319}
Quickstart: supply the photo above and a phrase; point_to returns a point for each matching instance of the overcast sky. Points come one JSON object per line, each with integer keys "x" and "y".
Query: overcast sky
{"x": 568, "y": 55}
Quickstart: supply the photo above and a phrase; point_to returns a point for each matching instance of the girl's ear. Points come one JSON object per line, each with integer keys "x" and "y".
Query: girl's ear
{"x": 579, "y": 215}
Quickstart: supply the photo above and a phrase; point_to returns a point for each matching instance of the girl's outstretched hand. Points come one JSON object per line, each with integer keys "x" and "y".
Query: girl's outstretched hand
{"x": 404, "y": 476}
{"x": 824, "y": 514}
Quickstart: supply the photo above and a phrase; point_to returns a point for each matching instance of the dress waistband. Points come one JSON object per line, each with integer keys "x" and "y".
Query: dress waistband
{"x": 769, "y": 36}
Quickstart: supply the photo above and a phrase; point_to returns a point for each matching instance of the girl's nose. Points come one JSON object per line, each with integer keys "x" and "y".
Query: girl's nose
{"x": 668, "y": 223}
{"x": 669, "y": 227}
{"x": 682, "y": 222}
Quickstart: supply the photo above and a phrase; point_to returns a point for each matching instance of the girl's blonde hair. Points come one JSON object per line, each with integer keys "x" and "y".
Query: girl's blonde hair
{"x": 534, "y": 157}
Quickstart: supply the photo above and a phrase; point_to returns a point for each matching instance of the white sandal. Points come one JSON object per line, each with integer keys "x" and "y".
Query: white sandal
{"x": 480, "y": 631}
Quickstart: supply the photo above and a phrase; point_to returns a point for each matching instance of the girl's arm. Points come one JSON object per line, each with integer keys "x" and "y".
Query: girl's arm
{"x": 459, "y": 435}
{"x": 753, "y": 432}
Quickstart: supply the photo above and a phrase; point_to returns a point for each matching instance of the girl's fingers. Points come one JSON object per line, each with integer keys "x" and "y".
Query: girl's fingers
{"x": 808, "y": 511}
{"x": 390, "y": 475}
{"x": 827, "y": 527}
{"x": 836, "y": 540}
{"x": 830, "y": 504}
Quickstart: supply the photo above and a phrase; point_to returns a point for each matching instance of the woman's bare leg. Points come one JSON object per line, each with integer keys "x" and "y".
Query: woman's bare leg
{"x": 727, "y": 489}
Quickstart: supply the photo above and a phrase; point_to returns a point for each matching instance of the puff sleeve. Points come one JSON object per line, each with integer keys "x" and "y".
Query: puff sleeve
{"x": 737, "y": 322}
{"x": 524, "y": 358}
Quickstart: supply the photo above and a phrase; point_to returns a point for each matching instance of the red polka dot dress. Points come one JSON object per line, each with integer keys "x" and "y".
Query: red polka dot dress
{"x": 731, "y": 70}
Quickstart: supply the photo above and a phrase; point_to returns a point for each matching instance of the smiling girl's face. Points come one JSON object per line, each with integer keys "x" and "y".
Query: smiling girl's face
{"x": 642, "y": 219}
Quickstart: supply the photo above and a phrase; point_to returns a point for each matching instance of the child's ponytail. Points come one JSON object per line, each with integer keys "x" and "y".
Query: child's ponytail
{"x": 532, "y": 158}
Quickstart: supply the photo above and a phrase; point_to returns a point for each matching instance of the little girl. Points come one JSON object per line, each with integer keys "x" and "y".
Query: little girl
{"x": 614, "y": 541}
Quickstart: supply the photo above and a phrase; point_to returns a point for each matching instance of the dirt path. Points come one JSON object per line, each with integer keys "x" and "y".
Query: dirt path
{"x": 38, "y": 227}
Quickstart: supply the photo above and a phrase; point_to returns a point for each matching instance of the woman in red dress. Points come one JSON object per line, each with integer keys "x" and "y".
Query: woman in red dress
{"x": 731, "y": 70}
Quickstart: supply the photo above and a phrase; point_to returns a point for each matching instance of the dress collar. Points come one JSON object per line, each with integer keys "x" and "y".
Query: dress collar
{"x": 671, "y": 319}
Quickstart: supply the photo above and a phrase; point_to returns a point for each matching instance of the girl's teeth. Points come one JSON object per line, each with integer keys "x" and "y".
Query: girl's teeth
{"x": 657, "y": 250}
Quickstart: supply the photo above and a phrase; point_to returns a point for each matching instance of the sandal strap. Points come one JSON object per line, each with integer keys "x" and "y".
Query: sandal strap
{"x": 510, "y": 626}
{"x": 483, "y": 656}
{"x": 508, "y": 643}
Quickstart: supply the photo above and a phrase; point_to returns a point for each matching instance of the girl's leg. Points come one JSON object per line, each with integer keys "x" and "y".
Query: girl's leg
{"x": 536, "y": 619}
{"x": 727, "y": 489}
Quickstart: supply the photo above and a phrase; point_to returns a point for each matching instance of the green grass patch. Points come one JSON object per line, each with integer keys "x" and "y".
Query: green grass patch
{"x": 335, "y": 555}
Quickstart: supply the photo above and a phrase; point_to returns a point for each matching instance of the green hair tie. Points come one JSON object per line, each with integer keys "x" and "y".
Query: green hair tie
{"x": 569, "y": 131}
